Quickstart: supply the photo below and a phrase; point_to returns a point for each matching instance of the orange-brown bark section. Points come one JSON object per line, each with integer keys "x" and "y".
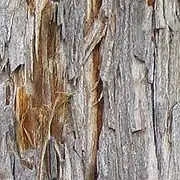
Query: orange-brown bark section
{"x": 150, "y": 2}
{"x": 36, "y": 95}
{"x": 38, "y": 88}
{"x": 8, "y": 94}
{"x": 96, "y": 95}
{"x": 98, "y": 103}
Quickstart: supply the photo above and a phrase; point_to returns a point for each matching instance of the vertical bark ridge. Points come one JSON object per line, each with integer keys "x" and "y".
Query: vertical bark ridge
{"x": 96, "y": 101}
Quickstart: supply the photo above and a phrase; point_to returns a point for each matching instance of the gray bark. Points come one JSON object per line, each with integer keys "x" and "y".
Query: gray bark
{"x": 90, "y": 89}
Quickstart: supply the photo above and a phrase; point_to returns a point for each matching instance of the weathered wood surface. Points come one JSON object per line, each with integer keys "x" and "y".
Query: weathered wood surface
{"x": 90, "y": 89}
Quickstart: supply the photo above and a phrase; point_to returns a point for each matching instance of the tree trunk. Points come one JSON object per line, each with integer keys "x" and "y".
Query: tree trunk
{"x": 90, "y": 89}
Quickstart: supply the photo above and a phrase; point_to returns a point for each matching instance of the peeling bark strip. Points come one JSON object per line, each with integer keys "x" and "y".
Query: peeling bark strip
{"x": 92, "y": 54}
{"x": 94, "y": 36}
{"x": 89, "y": 89}
{"x": 42, "y": 111}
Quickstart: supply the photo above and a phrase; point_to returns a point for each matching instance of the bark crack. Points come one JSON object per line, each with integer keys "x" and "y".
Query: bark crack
{"x": 153, "y": 88}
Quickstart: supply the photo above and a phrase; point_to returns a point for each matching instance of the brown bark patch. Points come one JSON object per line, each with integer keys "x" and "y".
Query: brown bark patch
{"x": 31, "y": 5}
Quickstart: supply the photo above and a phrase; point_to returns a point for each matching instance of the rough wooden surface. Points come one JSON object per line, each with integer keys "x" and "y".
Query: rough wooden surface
{"x": 90, "y": 89}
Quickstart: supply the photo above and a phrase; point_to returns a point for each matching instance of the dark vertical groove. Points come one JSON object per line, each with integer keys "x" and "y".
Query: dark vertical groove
{"x": 153, "y": 89}
{"x": 13, "y": 163}
{"x": 100, "y": 112}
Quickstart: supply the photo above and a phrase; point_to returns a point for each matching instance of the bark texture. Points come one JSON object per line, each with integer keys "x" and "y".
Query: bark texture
{"x": 89, "y": 89}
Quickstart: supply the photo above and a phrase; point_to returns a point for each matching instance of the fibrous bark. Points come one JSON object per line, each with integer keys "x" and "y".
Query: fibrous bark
{"x": 89, "y": 89}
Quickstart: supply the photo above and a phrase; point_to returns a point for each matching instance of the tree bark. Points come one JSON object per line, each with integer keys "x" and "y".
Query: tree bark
{"x": 90, "y": 89}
